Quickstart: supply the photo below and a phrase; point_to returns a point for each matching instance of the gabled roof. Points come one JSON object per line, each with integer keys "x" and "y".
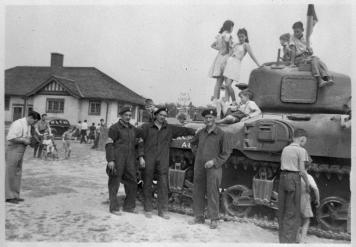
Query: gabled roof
{"x": 82, "y": 82}
{"x": 69, "y": 85}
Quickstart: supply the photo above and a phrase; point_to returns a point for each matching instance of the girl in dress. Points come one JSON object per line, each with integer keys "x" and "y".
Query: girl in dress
{"x": 232, "y": 68}
{"x": 222, "y": 43}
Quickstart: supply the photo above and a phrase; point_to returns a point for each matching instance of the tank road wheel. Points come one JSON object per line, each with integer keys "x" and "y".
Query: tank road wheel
{"x": 237, "y": 200}
{"x": 332, "y": 214}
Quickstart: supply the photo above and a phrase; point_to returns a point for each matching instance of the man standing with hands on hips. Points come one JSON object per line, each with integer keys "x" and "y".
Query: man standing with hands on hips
{"x": 18, "y": 137}
{"x": 212, "y": 152}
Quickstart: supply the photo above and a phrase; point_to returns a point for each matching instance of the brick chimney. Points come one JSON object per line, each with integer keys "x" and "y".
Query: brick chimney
{"x": 56, "y": 60}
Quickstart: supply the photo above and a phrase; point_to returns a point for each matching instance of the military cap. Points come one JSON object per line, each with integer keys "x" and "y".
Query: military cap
{"x": 124, "y": 109}
{"x": 209, "y": 111}
{"x": 159, "y": 109}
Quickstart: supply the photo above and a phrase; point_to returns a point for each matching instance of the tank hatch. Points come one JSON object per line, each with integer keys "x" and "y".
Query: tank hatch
{"x": 266, "y": 136}
{"x": 292, "y": 90}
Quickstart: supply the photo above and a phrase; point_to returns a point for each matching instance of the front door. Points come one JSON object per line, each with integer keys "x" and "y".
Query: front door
{"x": 17, "y": 113}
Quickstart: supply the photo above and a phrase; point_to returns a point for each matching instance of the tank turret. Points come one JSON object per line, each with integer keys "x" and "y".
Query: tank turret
{"x": 295, "y": 90}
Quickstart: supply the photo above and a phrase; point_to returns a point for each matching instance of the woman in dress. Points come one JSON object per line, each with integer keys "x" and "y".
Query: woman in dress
{"x": 233, "y": 64}
{"x": 222, "y": 43}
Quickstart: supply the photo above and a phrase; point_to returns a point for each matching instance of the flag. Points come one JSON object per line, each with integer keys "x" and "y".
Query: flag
{"x": 312, "y": 19}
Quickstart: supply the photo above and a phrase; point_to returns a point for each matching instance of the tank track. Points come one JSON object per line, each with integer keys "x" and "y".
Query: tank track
{"x": 264, "y": 223}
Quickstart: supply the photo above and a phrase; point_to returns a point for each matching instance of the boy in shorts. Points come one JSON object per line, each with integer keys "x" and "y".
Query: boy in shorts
{"x": 305, "y": 204}
{"x": 66, "y": 137}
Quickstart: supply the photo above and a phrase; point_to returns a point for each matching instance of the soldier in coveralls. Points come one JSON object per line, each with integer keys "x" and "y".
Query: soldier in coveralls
{"x": 293, "y": 161}
{"x": 18, "y": 138}
{"x": 212, "y": 152}
{"x": 121, "y": 157}
{"x": 154, "y": 156}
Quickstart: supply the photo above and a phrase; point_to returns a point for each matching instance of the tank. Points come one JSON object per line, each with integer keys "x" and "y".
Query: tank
{"x": 289, "y": 99}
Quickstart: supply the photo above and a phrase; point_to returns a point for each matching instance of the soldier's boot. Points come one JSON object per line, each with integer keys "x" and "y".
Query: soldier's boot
{"x": 116, "y": 212}
{"x": 213, "y": 224}
{"x": 164, "y": 215}
{"x": 148, "y": 214}
{"x": 197, "y": 220}
{"x": 132, "y": 211}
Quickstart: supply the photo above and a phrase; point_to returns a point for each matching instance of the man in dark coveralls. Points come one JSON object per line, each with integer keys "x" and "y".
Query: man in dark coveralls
{"x": 154, "y": 156}
{"x": 121, "y": 156}
{"x": 212, "y": 152}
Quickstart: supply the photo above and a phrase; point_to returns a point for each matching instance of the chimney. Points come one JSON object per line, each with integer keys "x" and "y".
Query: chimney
{"x": 56, "y": 60}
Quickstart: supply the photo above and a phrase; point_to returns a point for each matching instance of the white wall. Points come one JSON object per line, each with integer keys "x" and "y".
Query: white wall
{"x": 15, "y": 100}
{"x": 74, "y": 109}
{"x": 71, "y": 107}
{"x": 84, "y": 112}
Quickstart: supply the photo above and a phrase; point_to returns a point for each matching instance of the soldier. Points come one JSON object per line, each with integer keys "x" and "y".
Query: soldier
{"x": 121, "y": 155}
{"x": 212, "y": 152}
{"x": 18, "y": 138}
{"x": 154, "y": 156}
{"x": 293, "y": 160}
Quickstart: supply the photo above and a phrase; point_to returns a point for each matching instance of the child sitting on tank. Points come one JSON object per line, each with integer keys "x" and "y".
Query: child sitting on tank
{"x": 301, "y": 53}
{"x": 305, "y": 203}
{"x": 245, "y": 110}
{"x": 284, "y": 40}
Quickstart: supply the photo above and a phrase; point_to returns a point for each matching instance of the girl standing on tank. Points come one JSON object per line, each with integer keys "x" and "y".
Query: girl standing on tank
{"x": 233, "y": 64}
{"x": 222, "y": 43}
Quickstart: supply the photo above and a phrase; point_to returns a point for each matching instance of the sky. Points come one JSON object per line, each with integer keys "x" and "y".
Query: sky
{"x": 161, "y": 51}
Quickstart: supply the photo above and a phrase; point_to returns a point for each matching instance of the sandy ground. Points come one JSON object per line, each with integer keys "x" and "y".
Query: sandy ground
{"x": 65, "y": 201}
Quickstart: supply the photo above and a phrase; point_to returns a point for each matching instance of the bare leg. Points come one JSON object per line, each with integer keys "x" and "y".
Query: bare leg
{"x": 217, "y": 87}
{"x": 227, "y": 120}
{"x": 304, "y": 230}
{"x": 229, "y": 92}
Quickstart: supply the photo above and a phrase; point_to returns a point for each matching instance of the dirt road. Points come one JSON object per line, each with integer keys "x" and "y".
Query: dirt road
{"x": 64, "y": 202}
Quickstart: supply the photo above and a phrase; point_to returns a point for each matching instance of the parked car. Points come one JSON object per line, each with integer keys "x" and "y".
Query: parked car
{"x": 58, "y": 126}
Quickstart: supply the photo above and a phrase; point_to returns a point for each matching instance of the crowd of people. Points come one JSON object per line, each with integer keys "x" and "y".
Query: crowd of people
{"x": 88, "y": 134}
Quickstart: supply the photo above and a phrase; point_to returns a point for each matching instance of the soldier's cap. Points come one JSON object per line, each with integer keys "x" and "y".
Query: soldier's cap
{"x": 159, "y": 109}
{"x": 125, "y": 109}
{"x": 209, "y": 111}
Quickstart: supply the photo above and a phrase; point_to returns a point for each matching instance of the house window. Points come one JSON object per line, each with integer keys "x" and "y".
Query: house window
{"x": 55, "y": 106}
{"x": 7, "y": 103}
{"x": 94, "y": 107}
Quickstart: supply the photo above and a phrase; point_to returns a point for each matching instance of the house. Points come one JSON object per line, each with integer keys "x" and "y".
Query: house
{"x": 73, "y": 93}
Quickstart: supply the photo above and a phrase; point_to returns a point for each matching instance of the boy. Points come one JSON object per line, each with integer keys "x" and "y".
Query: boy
{"x": 48, "y": 143}
{"x": 293, "y": 160}
{"x": 284, "y": 40}
{"x": 66, "y": 137}
{"x": 305, "y": 205}
{"x": 247, "y": 109}
{"x": 300, "y": 53}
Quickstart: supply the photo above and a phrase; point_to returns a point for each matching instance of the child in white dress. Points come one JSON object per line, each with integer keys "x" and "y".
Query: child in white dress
{"x": 233, "y": 64}
{"x": 222, "y": 44}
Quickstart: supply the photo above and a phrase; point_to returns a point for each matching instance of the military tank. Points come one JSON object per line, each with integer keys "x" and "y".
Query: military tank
{"x": 289, "y": 99}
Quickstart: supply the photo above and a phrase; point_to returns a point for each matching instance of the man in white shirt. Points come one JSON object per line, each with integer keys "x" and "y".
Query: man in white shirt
{"x": 18, "y": 138}
{"x": 84, "y": 132}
